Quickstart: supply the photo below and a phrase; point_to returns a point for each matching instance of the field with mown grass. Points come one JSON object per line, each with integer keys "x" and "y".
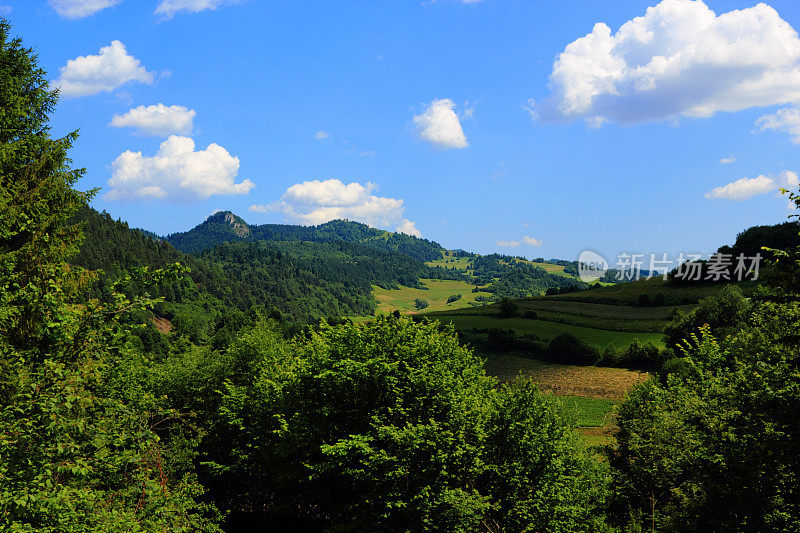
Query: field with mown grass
{"x": 624, "y": 318}
{"x": 589, "y": 395}
{"x": 449, "y": 260}
{"x": 630, "y": 293}
{"x": 436, "y": 293}
{"x": 598, "y": 338}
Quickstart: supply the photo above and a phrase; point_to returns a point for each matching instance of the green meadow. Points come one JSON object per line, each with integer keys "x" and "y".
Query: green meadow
{"x": 598, "y": 338}
{"x": 436, "y": 293}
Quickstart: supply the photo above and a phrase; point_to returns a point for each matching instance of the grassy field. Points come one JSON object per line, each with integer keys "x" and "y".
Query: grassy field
{"x": 629, "y": 293}
{"x": 587, "y": 314}
{"x": 546, "y": 330}
{"x": 437, "y": 292}
{"x": 588, "y": 394}
{"x": 588, "y": 412}
{"x": 459, "y": 263}
{"x": 449, "y": 260}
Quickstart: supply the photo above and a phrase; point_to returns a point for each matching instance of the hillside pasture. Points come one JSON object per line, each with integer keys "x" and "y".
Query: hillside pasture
{"x": 448, "y": 261}
{"x": 589, "y": 395}
{"x": 588, "y": 314}
{"x": 567, "y": 380}
{"x": 630, "y": 293}
{"x": 436, "y": 293}
{"x": 598, "y": 338}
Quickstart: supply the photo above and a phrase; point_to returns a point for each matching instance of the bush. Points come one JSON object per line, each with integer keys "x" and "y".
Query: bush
{"x": 453, "y": 298}
{"x": 508, "y": 308}
{"x": 420, "y": 303}
{"x": 638, "y": 355}
{"x": 724, "y": 312}
{"x": 568, "y": 349}
{"x": 393, "y": 425}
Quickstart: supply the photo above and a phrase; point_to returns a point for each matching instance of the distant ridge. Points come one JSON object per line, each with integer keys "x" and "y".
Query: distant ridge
{"x": 225, "y": 226}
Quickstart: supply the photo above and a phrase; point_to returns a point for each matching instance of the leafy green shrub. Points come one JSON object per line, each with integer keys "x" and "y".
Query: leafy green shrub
{"x": 568, "y": 349}
{"x": 393, "y": 425}
{"x": 453, "y": 298}
{"x": 723, "y": 311}
{"x": 508, "y": 308}
{"x": 638, "y": 355}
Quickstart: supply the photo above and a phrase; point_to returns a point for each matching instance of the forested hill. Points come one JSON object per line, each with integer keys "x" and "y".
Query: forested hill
{"x": 225, "y": 226}
{"x": 299, "y": 280}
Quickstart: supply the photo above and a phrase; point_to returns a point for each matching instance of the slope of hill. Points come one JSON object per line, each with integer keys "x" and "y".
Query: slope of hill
{"x": 224, "y": 226}
{"x": 299, "y": 280}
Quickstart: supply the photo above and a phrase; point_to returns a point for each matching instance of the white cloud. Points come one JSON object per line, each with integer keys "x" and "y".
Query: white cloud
{"x": 168, "y": 8}
{"x": 409, "y": 228}
{"x": 318, "y": 201}
{"x": 531, "y": 241}
{"x": 322, "y": 135}
{"x": 727, "y": 160}
{"x": 439, "y": 125}
{"x": 176, "y": 172}
{"x": 158, "y": 120}
{"x": 745, "y": 188}
{"x": 75, "y": 9}
{"x": 679, "y": 59}
{"x": 786, "y": 120}
{"x": 113, "y": 67}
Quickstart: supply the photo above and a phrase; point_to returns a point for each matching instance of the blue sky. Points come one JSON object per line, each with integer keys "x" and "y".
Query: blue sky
{"x": 622, "y": 152}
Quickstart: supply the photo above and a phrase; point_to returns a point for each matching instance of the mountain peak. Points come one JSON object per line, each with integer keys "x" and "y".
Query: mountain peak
{"x": 236, "y": 223}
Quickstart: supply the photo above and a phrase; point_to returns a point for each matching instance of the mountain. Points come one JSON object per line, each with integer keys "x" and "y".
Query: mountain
{"x": 301, "y": 274}
{"x": 225, "y": 226}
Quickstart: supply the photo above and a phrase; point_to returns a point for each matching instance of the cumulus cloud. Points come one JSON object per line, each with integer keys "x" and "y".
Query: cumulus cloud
{"x": 531, "y": 241}
{"x": 168, "y": 8}
{"x": 745, "y": 188}
{"x": 679, "y": 59}
{"x": 75, "y": 9}
{"x": 409, "y": 228}
{"x": 112, "y": 67}
{"x": 786, "y": 120}
{"x": 727, "y": 160}
{"x": 439, "y": 125}
{"x": 158, "y": 120}
{"x": 318, "y": 201}
{"x": 176, "y": 172}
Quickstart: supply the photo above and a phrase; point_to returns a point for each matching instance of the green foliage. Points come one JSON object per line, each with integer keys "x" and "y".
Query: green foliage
{"x": 226, "y": 227}
{"x": 508, "y": 308}
{"x": 568, "y": 349}
{"x": 36, "y": 200}
{"x": 712, "y": 446}
{"x": 391, "y": 425}
{"x": 714, "y": 449}
{"x": 420, "y": 303}
{"x": 723, "y": 311}
{"x": 453, "y": 298}
{"x": 77, "y": 450}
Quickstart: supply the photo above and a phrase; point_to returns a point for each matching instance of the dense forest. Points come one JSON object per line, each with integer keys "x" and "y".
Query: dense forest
{"x": 224, "y": 226}
{"x": 299, "y": 273}
{"x": 389, "y": 425}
